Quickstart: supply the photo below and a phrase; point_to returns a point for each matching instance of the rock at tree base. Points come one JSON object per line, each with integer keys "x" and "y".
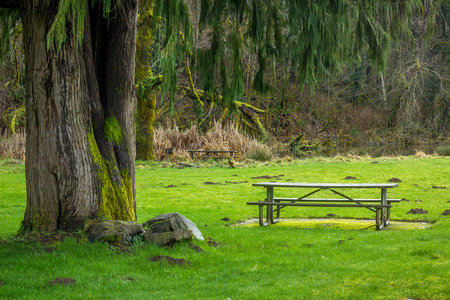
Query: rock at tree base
{"x": 172, "y": 222}
{"x": 168, "y": 238}
{"x": 169, "y": 228}
{"x": 114, "y": 232}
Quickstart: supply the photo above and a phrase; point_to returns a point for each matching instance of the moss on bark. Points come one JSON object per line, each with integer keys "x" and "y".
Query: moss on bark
{"x": 116, "y": 198}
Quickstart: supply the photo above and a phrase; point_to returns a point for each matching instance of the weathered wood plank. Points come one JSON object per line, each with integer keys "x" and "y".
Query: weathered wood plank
{"x": 333, "y": 200}
{"x": 320, "y": 204}
{"x": 326, "y": 185}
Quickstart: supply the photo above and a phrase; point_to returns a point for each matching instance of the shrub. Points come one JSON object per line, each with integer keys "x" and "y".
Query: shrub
{"x": 13, "y": 146}
{"x": 218, "y": 138}
{"x": 443, "y": 150}
{"x": 259, "y": 152}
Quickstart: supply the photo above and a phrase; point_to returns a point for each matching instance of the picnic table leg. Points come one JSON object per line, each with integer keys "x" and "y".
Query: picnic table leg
{"x": 269, "y": 216}
{"x": 261, "y": 216}
{"x": 384, "y": 209}
{"x": 378, "y": 219}
{"x": 278, "y": 212}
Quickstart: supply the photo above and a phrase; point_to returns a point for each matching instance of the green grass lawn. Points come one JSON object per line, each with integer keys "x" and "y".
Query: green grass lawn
{"x": 279, "y": 262}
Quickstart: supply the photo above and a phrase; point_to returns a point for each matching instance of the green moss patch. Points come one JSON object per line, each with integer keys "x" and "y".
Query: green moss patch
{"x": 113, "y": 132}
{"x": 117, "y": 199}
{"x": 353, "y": 224}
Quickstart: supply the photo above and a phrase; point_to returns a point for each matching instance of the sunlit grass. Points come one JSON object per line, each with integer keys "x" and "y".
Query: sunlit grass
{"x": 281, "y": 262}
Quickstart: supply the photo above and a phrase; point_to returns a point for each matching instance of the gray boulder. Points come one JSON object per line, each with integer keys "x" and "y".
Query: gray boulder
{"x": 168, "y": 238}
{"x": 114, "y": 232}
{"x": 168, "y": 228}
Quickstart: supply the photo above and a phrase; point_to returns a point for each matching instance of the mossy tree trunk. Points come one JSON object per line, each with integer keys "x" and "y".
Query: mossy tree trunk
{"x": 147, "y": 84}
{"x": 146, "y": 111}
{"x": 80, "y": 108}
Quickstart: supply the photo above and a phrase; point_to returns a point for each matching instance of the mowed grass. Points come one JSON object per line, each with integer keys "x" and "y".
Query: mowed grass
{"x": 247, "y": 262}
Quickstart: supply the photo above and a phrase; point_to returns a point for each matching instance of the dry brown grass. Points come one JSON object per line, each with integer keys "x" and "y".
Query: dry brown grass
{"x": 218, "y": 138}
{"x": 13, "y": 146}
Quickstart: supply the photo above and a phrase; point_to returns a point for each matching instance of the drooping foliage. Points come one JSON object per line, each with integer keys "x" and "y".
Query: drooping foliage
{"x": 8, "y": 20}
{"x": 314, "y": 37}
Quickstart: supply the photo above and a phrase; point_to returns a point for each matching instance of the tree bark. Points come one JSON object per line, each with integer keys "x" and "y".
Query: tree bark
{"x": 80, "y": 106}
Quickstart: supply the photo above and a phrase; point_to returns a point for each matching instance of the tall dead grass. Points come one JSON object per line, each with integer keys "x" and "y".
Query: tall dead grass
{"x": 218, "y": 138}
{"x": 13, "y": 146}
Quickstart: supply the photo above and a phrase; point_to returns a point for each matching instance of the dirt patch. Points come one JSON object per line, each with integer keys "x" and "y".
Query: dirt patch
{"x": 61, "y": 281}
{"x": 375, "y": 162}
{"x": 350, "y": 177}
{"x": 1, "y": 283}
{"x": 269, "y": 177}
{"x": 170, "y": 260}
{"x": 48, "y": 249}
{"x": 331, "y": 215}
{"x": 171, "y": 186}
{"x": 211, "y": 183}
{"x": 235, "y": 182}
{"x": 196, "y": 248}
{"x": 49, "y": 238}
{"x": 226, "y": 219}
{"x": 445, "y": 213}
{"x": 342, "y": 241}
{"x": 350, "y": 224}
{"x": 393, "y": 179}
{"x": 127, "y": 279}
{"x": 438, "y": 187}
{"x": 213, "y": 243}
{"x": 417, "y": 211}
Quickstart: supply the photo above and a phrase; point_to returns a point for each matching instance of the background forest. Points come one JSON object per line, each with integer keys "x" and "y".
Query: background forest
{"x": 407, "y": 103}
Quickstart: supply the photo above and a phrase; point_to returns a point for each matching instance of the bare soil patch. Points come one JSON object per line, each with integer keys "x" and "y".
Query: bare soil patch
{"x": 170, "y": 260}
{"x": 61, "y": 281}
{"x": 417, "y": 211}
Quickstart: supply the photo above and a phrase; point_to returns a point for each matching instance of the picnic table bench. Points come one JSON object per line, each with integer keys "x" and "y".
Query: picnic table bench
{"x": 381, "y": 206}
{"x": 212, "y": 153}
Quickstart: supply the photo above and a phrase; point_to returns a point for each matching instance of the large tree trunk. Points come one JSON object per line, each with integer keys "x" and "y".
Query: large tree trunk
{"x": 80, "y": 107}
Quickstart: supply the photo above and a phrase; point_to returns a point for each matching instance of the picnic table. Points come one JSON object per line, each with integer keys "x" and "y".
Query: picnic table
{"x": 381, "y": 206}
{"x": 212, "y": 153}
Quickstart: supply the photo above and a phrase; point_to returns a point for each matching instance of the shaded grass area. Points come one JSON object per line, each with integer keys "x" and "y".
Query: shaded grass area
{"x": 246, "y": 262}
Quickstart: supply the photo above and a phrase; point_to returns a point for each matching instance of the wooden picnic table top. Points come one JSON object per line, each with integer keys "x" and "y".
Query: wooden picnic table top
{"x": 326, "y": 185}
